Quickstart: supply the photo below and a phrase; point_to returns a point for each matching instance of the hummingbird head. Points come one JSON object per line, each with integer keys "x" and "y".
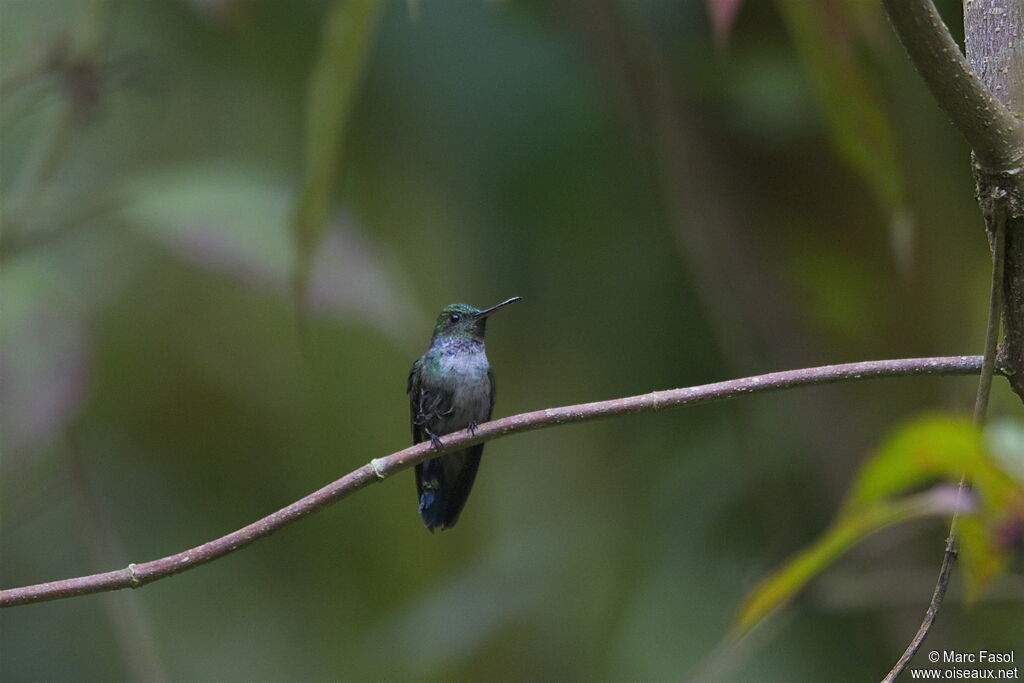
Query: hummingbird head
{"x": 463, "y": 320}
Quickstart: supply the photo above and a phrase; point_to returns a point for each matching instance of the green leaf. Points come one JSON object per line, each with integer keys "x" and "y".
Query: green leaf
{"x": 333, "y": 86}
{"x": 1005, "y": 438}
{"x": 779, "y": 587}
{"x": 939, "y": 447}
{"x": 921, "y": 451}
{"x": 989, "y": 537}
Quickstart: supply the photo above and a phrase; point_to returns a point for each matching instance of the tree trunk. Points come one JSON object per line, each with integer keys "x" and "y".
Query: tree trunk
{"x": 993, "y": 31}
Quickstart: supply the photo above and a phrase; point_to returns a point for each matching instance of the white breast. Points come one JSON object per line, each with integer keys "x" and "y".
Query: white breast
{"x": 466, "y": 376}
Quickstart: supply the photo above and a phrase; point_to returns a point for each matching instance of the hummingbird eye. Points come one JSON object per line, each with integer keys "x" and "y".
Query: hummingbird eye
{"x": 455, "y": 317}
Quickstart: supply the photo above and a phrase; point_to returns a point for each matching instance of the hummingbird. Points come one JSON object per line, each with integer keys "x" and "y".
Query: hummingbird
{"x": 451, "y": 387}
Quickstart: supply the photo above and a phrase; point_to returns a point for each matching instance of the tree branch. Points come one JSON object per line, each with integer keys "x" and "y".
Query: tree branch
{"x": 992, "y": 30}
{"x": 949, "y": 557}
{"x": 995, "y": 307}
{"x": 978, "y": 93}
{"x": 992, "y": 131}
{"x": 993, "y": 50}
{"x": 135, "y": 575}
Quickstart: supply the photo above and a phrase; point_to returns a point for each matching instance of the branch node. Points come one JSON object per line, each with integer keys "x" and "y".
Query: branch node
{"x": 952, "y": 547}
{"x": 133, "y": 578}
{"x": 378, "y": 468}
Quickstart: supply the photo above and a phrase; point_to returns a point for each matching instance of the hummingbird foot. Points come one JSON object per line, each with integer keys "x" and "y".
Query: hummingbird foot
{"x": 472, "y": 428}
{"x": 435, "y": 441}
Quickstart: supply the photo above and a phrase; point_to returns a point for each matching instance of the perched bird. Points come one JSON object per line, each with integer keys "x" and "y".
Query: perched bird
{"x": 451, "y": 387}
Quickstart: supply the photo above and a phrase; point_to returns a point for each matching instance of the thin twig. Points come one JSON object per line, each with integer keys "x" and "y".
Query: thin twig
{"x": 948, "y": 558}
{"x": 980, "y": 408}
{"x": 995, "y": 306}
{"x": 136, "y": 575}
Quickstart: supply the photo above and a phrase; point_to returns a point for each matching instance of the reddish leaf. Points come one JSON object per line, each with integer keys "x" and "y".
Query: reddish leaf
{"x": 723, "y": 14}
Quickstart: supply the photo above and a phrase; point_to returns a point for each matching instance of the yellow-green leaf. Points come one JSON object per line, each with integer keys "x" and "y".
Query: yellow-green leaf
{"x": 779, "y": 587}
{"x": 923, "y": 450}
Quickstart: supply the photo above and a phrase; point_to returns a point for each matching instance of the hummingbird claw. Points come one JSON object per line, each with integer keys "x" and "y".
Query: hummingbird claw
{"x": 435, "y": 440}
{"x": 472, "y": 428}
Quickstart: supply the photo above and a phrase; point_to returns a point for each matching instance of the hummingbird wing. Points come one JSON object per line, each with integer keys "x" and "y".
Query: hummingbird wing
{"x": 428, "y": 406}
{"x": 413, "y": 389}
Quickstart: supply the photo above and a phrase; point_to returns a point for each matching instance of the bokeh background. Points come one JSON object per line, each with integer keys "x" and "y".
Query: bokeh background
{"x": 674, "y": 208}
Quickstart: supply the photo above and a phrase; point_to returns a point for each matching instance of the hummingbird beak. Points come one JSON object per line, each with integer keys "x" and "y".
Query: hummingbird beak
{"x": 487, "y": 311}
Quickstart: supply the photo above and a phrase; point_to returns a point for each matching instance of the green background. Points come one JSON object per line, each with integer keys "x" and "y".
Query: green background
{"x": 695, "y": 215}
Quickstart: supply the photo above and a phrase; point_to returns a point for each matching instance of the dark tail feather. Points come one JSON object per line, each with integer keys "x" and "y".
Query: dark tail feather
{"x": 444, "y": 484}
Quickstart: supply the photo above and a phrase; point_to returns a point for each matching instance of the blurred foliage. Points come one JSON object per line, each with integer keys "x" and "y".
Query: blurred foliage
{"x": 858, "y": 124}
{"x": 922, "y": 451}
{"x": 154, "y": 393}
{"x": 333, "y": 88}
